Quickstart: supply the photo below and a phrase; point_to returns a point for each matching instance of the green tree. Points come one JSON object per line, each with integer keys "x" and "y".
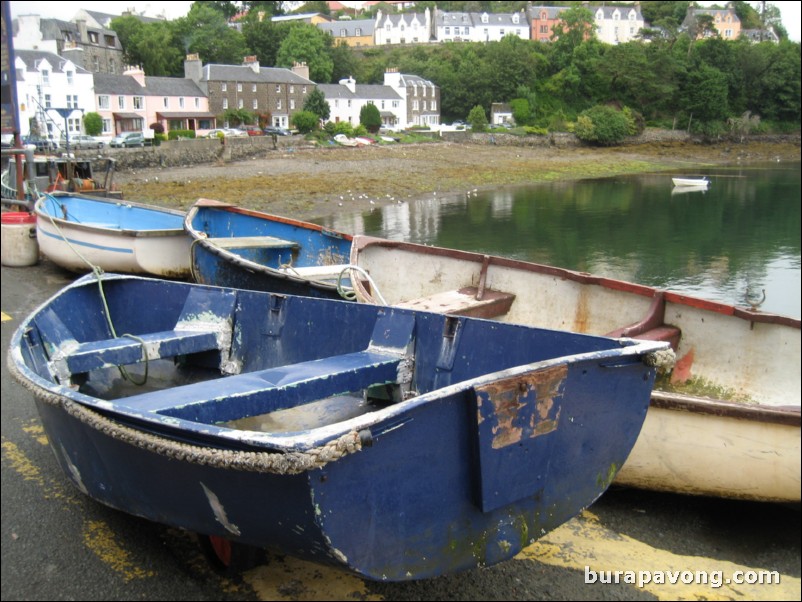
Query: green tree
{"x": 576, "y": 25}
{"x": 316, "y": 103}
{"x": 478, "y": 119}
{"x": 521, "y": 111}
{"x": 602, "y": 125}
{"x": 93, "y": 124}
{"x": 370, "y": 117}
{"x": 205, "y": 31}
{"x": 310, "y": 45}
{"x": 704, "y": 94}
{"x": 237, "y": 117}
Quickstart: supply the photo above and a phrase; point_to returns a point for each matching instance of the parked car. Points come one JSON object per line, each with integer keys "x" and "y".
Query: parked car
{"x": 42, "y": 144}
{"x": 81, "y": 141}
{"x": 128, "y": 139}
{"x": 252, "y": 130}
{"x": 273, "y": 130}
{"x": 227, "y": 132}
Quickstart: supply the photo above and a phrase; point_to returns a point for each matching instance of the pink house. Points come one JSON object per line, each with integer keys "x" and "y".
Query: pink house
{"x": 133, "y": 102}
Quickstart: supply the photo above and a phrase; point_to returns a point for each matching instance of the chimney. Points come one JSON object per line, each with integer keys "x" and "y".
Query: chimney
{"x": 137, "y": 74}
{"x": 392, "y": 77}
{"x": 193, "y": 68}
{"x": 81, "y": 23}
{"x": 349, "y": 83}
{"x": 301, "y": 69}
{"x": 252, "y": 62}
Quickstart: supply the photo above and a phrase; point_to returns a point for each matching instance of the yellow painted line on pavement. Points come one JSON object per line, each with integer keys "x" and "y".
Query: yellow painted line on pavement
{"x": 584, "y": 542}
{"x": 6, "y": 317}
{"x": 97, "y": 535}
{"x": 99, "y": 538}
{"x": 293, "y": 579}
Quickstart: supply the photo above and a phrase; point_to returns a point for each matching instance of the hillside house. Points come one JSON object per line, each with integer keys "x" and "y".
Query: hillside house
{"x": 53, "y": 94}
{"x": 273, "y": 94}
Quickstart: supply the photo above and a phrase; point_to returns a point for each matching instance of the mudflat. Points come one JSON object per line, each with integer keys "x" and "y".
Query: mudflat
{"x": 309, "y": 183}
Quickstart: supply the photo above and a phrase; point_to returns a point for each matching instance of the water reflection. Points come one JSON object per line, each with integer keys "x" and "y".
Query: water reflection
{"x": 728, "y": 243}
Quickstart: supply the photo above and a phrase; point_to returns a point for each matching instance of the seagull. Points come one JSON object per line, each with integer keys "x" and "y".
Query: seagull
{"x": 755, "y": 304}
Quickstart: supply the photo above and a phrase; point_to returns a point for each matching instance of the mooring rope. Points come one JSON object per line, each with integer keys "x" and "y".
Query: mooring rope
{"x": 97, "y": 271}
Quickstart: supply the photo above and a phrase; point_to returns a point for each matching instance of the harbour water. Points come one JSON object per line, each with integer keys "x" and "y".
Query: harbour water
{"x": 729, "y": 243}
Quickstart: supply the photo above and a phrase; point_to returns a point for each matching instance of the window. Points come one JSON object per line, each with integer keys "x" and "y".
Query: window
{"x": 414, "y": 105}
{"x": 48, "y": 102}
{"x": 240, "y": 104}
{"x": 72, "y": 101}
{"x": 139, "y": 103}
{"x": 197, "y": 102}
{"x": 74, "y": 125}
{"x": 292, "y": 104}
{"x": 278, "y": 104}
{"x": 93, "y": 37}
{"x": 433, "y": 105}
{"x": 292, "y": 89}
{"x": 121, "y": 102}
{"x": 112, "y": 66}
{"x": 166, "y": 102}
{"x": 255, "y": 104}
{"x": 225, "y": 103}
{"x": 343, "y": 33}
{"x": 544, "y": 29}
{"x": 70, "y": 77}
{"x": 448, "y": 31}
{"x": 278, "y": 88}
{"x": 46, "y": 77}
{"x": 96, "y": 63}
{"x": 180, "y": 102}
{"x": 110, "y": 41}
{"x": 224, "y": 87}
{"x": 253, "y": 88}
{"x": 106, "y": 126}
{"x": 239, "y": 87}
{"x": 303, "y": 90}
{"x": 103, "y": 102}
{"x": 358, "y": 31}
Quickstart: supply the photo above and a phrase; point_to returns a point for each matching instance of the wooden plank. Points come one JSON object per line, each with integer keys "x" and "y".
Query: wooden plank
{"x": 252, "y": 242}
{"x": 464, "y": 302}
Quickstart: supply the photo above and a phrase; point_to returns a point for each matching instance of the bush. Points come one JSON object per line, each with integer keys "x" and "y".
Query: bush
{"x": 602, "y": 125}
{"x": 370, "y": 117}
{"x": 176, "y": 134}
{"x": 478, "y": 119}
{"x": 93, "y": 124}
{"x": 305, "y": 121}
{"x": 535, "y": 131}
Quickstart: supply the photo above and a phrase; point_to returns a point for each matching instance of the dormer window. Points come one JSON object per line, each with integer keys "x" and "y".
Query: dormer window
{"x": 516, "y": 18}
{"x": 600, "y": 15}
{"x": 485, "y": 18}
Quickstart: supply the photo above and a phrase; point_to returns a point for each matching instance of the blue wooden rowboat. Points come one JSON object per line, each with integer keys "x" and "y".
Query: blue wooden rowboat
{"x": 241, "y": 248}
{"x": 397, "y": 444}
{"x": 79, "y": 233}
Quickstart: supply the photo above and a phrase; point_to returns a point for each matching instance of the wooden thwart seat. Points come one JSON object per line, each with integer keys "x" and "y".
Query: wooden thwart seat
{"x": 253, "y": 242}
{"x": 465, "y": 302}
{"x": 318, "y": 272}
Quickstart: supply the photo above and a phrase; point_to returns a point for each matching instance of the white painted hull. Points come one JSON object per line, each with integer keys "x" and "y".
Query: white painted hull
{"x": 698, "y": 182}
{"x": 79, "y": 246}
{"x": 745, "y": 353}
{"x": 684, "y": 451}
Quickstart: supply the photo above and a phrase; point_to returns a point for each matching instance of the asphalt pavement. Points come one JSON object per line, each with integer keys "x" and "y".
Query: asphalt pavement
{"x": 58, "y": 544}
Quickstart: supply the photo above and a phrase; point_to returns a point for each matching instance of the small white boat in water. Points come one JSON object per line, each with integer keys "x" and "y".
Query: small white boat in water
{"x": 696, "y": 182}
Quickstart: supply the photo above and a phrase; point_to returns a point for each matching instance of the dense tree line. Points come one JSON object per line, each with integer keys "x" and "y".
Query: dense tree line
{"x": 669, "y": 78}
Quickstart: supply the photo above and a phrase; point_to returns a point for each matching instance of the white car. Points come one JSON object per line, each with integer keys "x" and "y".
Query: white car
{"x": 81, "y": 141}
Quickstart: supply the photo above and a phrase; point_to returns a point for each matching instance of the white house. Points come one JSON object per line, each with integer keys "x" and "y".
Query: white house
{"x": 618, "y": 24}
{"x": 404, "y": 28}
{"x": 53, "y": 94}
{"x": 347, "y": 98}
{"x": 422, "y": 98}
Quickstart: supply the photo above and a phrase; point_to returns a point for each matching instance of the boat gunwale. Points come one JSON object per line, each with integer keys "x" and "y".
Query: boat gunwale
{"x": 297, "y": 440}
{"x": 248, "y": 264}
{"x": 783, "y": 415}
{"x": 62, "y": 223}
{"x": 362, "y": 242}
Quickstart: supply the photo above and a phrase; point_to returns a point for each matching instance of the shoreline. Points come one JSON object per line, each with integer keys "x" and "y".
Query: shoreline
{"x": 314, "y": 183}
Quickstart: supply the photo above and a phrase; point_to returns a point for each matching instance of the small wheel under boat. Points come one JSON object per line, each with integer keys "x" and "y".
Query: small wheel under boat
{"x": 230, "y": 557}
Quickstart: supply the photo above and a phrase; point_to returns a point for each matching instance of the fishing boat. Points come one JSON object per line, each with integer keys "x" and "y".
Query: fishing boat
{"x": 725, "y": 422}
{"x": 242, "y": 248}
{"x": 396, "y": 444}
{"x": 46, "y": 173}
{"x": 696, "y": 182}
{"x": 81, "y": 233}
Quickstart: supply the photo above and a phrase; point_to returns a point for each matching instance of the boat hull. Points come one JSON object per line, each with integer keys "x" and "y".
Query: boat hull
{"x": 722, "y": 351}
{"x": 240, "y": 248}
{"x": 116, "y": 236}
{"x": 695, "y": 182}
{"x": 484, "y": 456}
